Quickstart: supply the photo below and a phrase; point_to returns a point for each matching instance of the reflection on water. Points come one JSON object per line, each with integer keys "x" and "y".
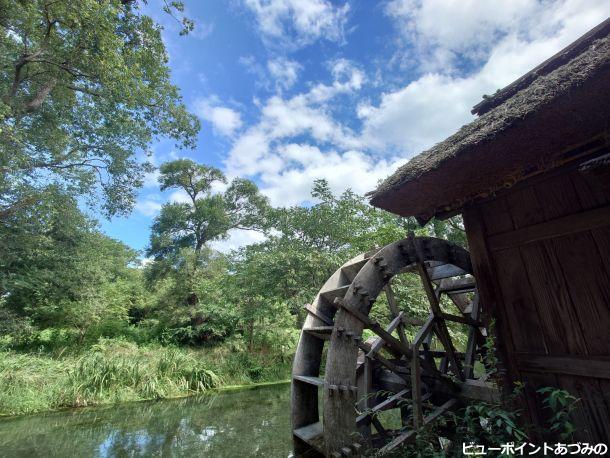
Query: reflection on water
{"x": 253, "y": 422}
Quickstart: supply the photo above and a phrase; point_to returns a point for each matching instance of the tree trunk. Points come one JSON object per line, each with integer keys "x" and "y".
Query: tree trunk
{"x": 40, "y": 97}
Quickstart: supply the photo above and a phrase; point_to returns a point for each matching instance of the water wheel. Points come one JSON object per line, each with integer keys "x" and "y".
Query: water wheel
{"x": 377, "y": 392}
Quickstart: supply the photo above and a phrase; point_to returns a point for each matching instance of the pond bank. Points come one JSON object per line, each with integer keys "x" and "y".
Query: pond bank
{"x": 113, "y": 372}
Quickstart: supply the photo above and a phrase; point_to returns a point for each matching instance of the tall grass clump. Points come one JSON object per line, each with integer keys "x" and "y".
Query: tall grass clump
{"x": 120, "y": 371}
{"x": 110, "y": 371}
{"x": 30, "y": 383}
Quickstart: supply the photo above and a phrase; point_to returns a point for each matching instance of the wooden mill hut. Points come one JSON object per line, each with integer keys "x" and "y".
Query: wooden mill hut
{"x": 531, "y": 177}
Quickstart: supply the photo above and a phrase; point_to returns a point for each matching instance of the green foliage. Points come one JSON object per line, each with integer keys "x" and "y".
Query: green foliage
{"x": 83, "y": 86}
{"x": 489, "y": 424}
{"x": 64, "y": 285}
{"x": 207, "y": 216}
{"x": 114, "y": 370}
{"x": 58, "y": 271}
{"x": 561, "y": 404}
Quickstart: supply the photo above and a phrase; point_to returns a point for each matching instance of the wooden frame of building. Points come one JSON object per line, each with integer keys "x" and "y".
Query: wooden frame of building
{"x": 531, "y": 177}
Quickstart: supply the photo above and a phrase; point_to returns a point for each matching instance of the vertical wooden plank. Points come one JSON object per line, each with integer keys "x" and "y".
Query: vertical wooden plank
{"x": 471, "y": 345}
{"x": 558, "y": 196}
{"x": 604, "y": 386}
{"x": 558, "y": 316}
{"x": 520, "y": 307}
{"x": 589, "y": 194}
{"x": 589, "y": 288}
{"x": 492, "y": 306}
{"x": 365, "y": 388}
{"x": 539, "y": 415}
{"x": 418, "y": 417}
{"x": 496, "y": 216}
{"x": 591, "y": 417}
{"x": 525, "y": 207}
{"x": 602, "y": 240}
{"x": 395, "y": 310}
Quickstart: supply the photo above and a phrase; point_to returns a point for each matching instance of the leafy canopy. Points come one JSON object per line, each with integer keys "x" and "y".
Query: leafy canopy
{"x": 83, "y": 86}
{"x": 207, "y": 216}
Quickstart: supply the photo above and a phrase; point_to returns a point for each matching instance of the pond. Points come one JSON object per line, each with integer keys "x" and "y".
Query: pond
{"x": 251, "y": 422}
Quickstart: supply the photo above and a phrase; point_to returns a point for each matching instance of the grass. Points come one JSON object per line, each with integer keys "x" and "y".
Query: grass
{"x": 118, "y": 371}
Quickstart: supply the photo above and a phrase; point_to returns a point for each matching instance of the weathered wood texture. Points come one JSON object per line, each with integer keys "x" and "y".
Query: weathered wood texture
{"x": 541, "y": 254}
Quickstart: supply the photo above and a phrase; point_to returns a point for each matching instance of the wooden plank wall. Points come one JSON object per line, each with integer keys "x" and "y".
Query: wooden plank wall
{"x": 541, "y": 252}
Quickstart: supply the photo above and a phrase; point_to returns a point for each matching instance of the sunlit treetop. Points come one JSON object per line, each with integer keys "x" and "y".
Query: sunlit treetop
{"x": 84, "y": 87}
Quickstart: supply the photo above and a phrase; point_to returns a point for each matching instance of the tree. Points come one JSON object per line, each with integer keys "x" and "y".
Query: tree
{"x": 182, "y": 230}
{"x": 57, "y": 270}
{"x": 309, "y": 243}
{"x": 83, "y": 87}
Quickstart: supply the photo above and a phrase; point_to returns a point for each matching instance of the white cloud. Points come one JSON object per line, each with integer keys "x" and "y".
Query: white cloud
{"x": 299, "y": 139}
{"x": 438, "y": 34}
{"x": 295, "y": 23}
{"x": 306, "y": 114}
{"x": 284, "y": 71}
{"x": 286, "y": 167}
{"x": 225, "y": 120}
{"x": 148, "y": 207}
{"x": 151, "y": 179}
{"x": 179, "y": 197}
{"x": 514, "y": 37}
{"x": 237, "y": 238}
{"x": 302, "y": 164}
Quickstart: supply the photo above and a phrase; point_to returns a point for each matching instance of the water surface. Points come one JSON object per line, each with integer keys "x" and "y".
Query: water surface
{"x": 253, "y": 422}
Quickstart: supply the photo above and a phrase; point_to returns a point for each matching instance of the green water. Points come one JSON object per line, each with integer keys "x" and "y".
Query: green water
{"x": 254, "y": 422}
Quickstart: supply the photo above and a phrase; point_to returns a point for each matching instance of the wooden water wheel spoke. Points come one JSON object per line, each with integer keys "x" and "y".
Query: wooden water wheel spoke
{"x": 392, "y": 342}
{"x": 470, "y": 356}
{"x": 395, "y": 313}
{"x": 388, "y": 373}
{"x": 384, "y": 361}
{"x": 411, "y": 434}
{"x": 440, "y": 327}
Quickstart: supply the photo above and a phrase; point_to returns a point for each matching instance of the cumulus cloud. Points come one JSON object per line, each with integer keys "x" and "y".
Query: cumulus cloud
{"x": 456, "y": 52}
{"x": 298, "y": 140}
{"x": 225, "y": 120}
{"x": 237, "y": 238}
{"x": 302, "y": 164}
{"x": 151, "y": 179}
{"x": 295, "y": 23}
{"x": 305, "y": 114}
{"x": 513, "y": 39}
{"x": 179, "y": 197}
{"x": 442, "y": 33}
{"x": 284, "y": 71}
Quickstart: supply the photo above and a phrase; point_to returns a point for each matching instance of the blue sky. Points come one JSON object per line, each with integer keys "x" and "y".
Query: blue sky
{"x": 293, "y": 90}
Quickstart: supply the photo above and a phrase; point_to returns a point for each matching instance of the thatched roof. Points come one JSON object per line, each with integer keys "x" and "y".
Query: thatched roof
{"x": 528, "y": 127}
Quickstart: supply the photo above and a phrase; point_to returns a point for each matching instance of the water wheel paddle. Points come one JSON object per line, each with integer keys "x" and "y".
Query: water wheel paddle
{"x": 378, "y": 392}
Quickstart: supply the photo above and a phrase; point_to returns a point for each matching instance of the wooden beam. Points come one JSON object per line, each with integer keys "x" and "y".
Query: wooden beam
{"x": 584, "y": 366}
{"x": 441, "y": 327}
{"x": 471, "y": 346}
{"x": 389, "y": 403}
{"x": 424, "y": 331}
{"x": 379, "y": 343}
{"x": 396, "y": 312}
{"x": 411, "y": 434}
{"x": 445, "y": 271}
{"x": 390, "y": 340}
{"x": 472, "y": 390}
{"x": 577, "y": 222}
{"x": 318, "y": 314}
{"x": 416, "y": 394}
{"x": 390, "y": 365}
